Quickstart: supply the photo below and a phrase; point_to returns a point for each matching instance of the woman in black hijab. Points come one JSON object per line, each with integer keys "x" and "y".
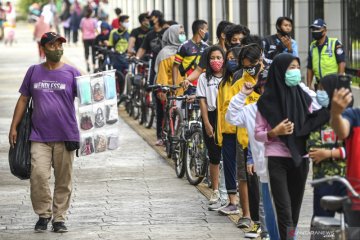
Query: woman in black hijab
{"x": 283, "y": 110}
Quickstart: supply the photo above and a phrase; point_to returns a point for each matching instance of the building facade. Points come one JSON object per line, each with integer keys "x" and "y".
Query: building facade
{"x": 342, "y": 18}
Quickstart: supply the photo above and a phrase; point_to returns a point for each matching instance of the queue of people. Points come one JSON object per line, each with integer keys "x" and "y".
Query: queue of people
{"x": 259, "y": 119}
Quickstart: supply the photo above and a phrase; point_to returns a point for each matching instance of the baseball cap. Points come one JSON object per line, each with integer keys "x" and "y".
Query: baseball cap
{"x": 51, "y": 37}
{"x": 318, "y": 23}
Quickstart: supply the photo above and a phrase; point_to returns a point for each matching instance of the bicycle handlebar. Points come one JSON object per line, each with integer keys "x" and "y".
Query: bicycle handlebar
{"x": 163, "y": 88}
{"x": 336, "y": 179}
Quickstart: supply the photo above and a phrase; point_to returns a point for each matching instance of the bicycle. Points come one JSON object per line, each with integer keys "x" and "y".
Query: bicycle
{"x": 337, "y": 230}
{"x": 191, "y": 147}
{"x": 172, "y": 117}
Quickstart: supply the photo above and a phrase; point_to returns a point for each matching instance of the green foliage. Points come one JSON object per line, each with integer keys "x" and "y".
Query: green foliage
{"x": 23, "y": 5}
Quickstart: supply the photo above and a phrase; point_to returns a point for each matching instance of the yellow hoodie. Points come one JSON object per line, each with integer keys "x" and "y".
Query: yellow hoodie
{"x": 242, "y": 136}
{"x": 223, "y": 99}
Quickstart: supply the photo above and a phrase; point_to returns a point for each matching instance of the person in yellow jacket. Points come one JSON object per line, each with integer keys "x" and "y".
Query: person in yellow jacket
{"x": 251, "y": 61}
{"x": 226, "y": 133}
{"x": 172, "y": 39}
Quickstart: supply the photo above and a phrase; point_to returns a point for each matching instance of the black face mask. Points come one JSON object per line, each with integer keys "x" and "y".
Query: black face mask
{"x": 317, "y": 35}
{"x": 232, "y": 45}
{"x": 152, "y": 23}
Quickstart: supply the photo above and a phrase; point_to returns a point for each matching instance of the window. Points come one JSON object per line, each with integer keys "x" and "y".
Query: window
{"x": 351, "y": 32}
{"x": 316, "y": 10}
{"x": 264, "y": 17}
{"x": 243, "y": 12}
{"x": 289, "y": 8}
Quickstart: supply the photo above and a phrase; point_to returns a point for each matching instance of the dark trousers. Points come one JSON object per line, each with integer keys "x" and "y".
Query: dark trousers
{"x": 253, "y": 191}
{"x": 67, "y": 34}
{"x": 159, "y": 116}
{"x": 89, "y": 44}
{"x": 229, "y": 161}
{"x": 287, "y": 184}
{"x": 75, "y": 35}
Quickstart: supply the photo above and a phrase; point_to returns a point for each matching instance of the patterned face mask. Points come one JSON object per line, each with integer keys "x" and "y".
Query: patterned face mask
{"x": 216, "y": 65}
{"x": 253, "y": 70}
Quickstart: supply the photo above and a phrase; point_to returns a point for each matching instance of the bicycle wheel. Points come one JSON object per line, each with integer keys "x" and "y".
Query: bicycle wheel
{"x": 136, "y": 103}
{"x": 165, "y": 135}
{"x": 196, "y": 161}
{"x": 179, "y": 156}
{"x": 141, "y": 119}
{"x": 177, "y": 120}
{"x": 128, "y": 93}
{"x": 149, "y": 110}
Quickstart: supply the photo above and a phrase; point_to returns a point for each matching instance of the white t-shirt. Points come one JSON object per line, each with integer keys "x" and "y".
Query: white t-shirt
{"x": 208, "y": 90}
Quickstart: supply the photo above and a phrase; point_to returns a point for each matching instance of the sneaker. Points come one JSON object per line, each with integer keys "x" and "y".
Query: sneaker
{"x": 219, "y": 205}
{"x": 215, "y": 196}
{"x": 42, "y": 224}
{"x": 264, "y": 236}
{"x": 244, "y": 222}
{"x": 230, "y": 209}
{"x": 59, "y": 227}
{"x": 159, "y": 142}
{"x": 254, "y": 232}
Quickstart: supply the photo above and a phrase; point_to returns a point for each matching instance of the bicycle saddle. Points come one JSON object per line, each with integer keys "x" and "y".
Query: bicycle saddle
{"x": 333, "y": 203}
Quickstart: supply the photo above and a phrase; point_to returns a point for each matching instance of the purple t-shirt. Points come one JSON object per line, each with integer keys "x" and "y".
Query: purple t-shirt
{"x": 53, "y": 93}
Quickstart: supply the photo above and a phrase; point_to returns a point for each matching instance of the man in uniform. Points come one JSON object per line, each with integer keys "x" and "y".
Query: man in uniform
{"x": 326, "y": 55}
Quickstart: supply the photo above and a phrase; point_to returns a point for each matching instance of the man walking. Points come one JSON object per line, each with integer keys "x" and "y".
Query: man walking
{"x": 52, "y": 87}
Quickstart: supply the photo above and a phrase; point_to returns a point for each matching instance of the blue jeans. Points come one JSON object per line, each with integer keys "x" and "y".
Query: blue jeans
{"x": 269, "y": 212}
{"x": 228, "y": 151}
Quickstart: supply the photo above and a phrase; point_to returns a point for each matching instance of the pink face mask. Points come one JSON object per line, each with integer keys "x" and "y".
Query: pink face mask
{"x": 216, "y": 65}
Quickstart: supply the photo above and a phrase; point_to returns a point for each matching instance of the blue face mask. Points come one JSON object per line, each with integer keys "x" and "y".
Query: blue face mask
{"x": 323, "y": 98}
{"x": 292, "y": 77}
{"x": 206, "y": 37}
{"x": 182, "y": 38}
{"x": 232, "y": 65}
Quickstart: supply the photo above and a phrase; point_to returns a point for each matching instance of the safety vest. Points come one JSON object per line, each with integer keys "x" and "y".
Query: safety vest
{"x": 326, "y": 63}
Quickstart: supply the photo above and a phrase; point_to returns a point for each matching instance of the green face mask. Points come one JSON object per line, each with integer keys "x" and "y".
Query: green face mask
{"x": 292, "y": 77}
{"x": 53, "y": 56}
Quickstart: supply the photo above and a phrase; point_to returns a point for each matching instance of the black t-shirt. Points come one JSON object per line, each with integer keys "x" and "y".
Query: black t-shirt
{"x": 139, "y": 34}
{"x": 153, "y": 42}
{"x": 203, "y": 58}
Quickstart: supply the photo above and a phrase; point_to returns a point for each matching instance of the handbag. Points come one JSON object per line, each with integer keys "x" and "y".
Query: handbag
{"x": 100, "y": 143}
{"x": 19, "y": 155}
{"x": 111, "y": 114}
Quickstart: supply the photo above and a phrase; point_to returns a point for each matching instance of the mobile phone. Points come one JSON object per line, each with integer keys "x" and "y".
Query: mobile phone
{"x": 344, "y": 81}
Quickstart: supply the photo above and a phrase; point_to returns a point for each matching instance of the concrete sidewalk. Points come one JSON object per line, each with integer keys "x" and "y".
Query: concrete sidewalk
{"x": 130, "y": 193}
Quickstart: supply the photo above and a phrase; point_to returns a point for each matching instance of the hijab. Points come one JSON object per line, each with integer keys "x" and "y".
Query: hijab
{"x": 171, "y": 44}
{"x": 279, "y": 102}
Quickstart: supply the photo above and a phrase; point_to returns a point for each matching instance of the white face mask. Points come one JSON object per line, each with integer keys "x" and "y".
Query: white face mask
{"x": 125, "y": 25}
